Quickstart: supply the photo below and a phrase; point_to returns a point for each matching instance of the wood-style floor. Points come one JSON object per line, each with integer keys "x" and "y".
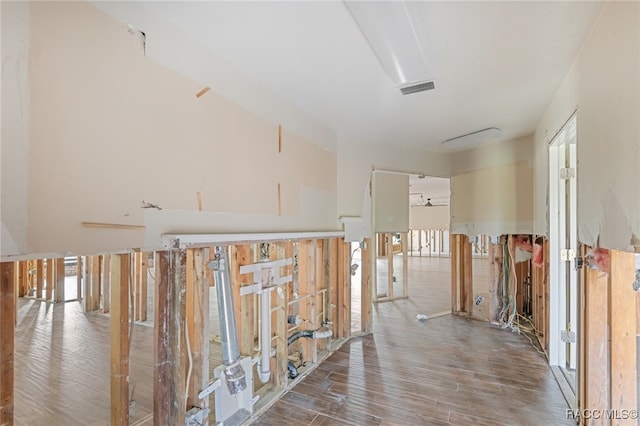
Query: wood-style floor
{"x": 445, "y": 370}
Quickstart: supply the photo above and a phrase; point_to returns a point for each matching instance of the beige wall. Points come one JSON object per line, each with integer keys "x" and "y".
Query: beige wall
{"x": 15, "y": 126}
{"x": 435, "y": 217}
{"x": 603, "y": 85}
{"x": 390, "y": 202}
{"x": 111, "y": 128}
{"x": 492, "y": 189}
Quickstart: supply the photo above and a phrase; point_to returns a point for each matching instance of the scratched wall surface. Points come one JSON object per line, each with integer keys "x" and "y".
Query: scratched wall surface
{"x": 112, "y": 128}
{"x": 603, "y": 86}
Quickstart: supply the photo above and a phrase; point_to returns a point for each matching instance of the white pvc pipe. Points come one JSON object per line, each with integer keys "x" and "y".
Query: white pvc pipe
{"x": 264, "y": 364}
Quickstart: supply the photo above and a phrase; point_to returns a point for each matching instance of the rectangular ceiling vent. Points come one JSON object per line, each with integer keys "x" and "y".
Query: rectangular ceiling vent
{"x": 429, "y": 85}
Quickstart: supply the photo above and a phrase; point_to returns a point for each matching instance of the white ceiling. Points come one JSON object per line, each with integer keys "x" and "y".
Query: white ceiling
{"x": 423, "y": 187}
{"x": 495, "y": 64}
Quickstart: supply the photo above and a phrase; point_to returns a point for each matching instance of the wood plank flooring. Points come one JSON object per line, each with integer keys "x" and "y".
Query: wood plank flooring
{"x": 447, "y": 370}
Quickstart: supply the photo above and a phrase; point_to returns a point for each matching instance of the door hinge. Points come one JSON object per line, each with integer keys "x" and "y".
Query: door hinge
{"x": 567, "y": 336}
{"x": 567, "y": 255}
{"x": 567, "y": 173}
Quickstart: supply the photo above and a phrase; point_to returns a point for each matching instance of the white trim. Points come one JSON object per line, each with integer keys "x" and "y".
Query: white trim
{"x": 170, "y": 241}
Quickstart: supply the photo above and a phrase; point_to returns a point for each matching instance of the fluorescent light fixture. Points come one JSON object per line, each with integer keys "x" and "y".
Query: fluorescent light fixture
{"x": 474, "y": 138}
{"x": 388, "y": 28}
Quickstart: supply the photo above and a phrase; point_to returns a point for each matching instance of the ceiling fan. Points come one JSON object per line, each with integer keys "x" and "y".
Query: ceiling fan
{"x": 420, "y": 202}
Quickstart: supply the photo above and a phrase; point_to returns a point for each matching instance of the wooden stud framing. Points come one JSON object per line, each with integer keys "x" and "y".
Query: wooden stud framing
{"x": 107, "y": 283}
{"x": 318, "y": 312}
{"x": 365, "y": 282}
{"x": 389, "y": 245}
{"x": 21, "y": 278}
{"x": 280, "y": 378}
{"x": 306, "y": 290}
{"x": 596, "y": 342}
{"x": 7, "y": 315}
{"x": 140, "y": 302}
{"x": 345, "y": 287}
{"x": 119, "y": 320}
{"x": 79, "y": 276}
{"x": 244, "y": 306}
{"x": 169, "y": 339}
{"x": 454, "y": 247}
{"x": 622, "y": 319}
{"x": 405, "y": 265}
{"x": 495, "y": 274}
{"x": 60, "y": 278}
{"x": 39, "y": 278}
{"x": 197, "y": 318}
{"x": 467, "y": 267}
{"x": 50, "y": 279}
{"x": 334, "y": 279}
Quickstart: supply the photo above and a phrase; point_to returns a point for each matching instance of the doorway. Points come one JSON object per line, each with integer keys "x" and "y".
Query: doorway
{"x": 564, "y": 293}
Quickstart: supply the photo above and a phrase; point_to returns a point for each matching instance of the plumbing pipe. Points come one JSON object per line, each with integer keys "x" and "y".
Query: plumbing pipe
{"x": 264, "y": 364}
{"x": 314, "y": 334}
{"x": 293, "y": 371}
{"x": 233, "y": 371}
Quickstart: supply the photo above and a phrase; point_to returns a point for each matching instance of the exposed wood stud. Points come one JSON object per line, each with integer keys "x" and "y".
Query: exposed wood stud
{"x": 123, "y": 226}
{"x": 244, "y": 306}
{"x": 107, "y": 282}
{"x": 622, "y": 319}
{"x": 79, "y": 276}
{"x": 119, "y": 321}
{"x": 306, "y": 286}
{"x": 50, "y": 279}
{"x": 279, "y": 200}
{"x": 365, "y": 295}
{"x": 60, "y": 278}
{"x": 169, "y": 339}
{"x": 467, "y": 275}
{"x": 334, "y": 286}
{"x": 197, "y": 318}
{"x": 596, "y": 342}
{"x": 7, "y": 316}
{"x": 405, "y": 264}
{"x": 203, "y": 91}
{"x": 39, "y": 278}
{"x": 199, "y": 200}
{"x": 454, "y": 246}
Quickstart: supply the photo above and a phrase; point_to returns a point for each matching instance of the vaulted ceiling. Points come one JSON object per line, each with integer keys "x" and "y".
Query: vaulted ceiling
{"x": 494, "y": 64}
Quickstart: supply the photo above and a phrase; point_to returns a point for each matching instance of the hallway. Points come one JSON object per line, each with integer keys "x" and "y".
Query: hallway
{"x": 445, "y": 370}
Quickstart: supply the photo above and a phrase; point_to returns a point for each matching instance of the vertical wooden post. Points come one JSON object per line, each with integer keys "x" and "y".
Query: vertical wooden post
{"x": 60, "y": 278}
{"x": 495, "y": 274}
{"x": 96, "y": 283}
{"x": 50, "y": 279}
{"x": 467, "y": 267}
{"x": 596, "y": 342}
{"x": 119, "y": 321}
{"x": 244, "y": 305}
{"x": 39, "y": 278}
{"x": 318, "y": 306}
{"x": 365, "y": 283}
{"x": 622, "y": 319}
{"x": 454, "y": 246}
{"x": 21, "y": 278}
{"x": 345, "y": 261}
{"x": 7, "y": 316}
{"x": 197, "y": 317}
{"x": 334, "y": 285}
{"x": 389, "y": 240}
{"x": 169, "y": 339}
{"x": 405, "y": 266}
{"x": 141, "y": 286}
{"x": 79, "y": 276}
{"x": 107, "y": 282}
{"x": 306, "y": 288}
{"x": 86, "y": 291}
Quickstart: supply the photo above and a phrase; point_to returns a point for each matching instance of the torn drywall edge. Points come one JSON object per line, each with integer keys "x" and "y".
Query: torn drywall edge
{"x": 491, "y": 228}
{"x": 175, "y": 50}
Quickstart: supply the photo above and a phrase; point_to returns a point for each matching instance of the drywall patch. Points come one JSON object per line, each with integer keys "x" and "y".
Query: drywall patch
{"x": 615, "y": 230}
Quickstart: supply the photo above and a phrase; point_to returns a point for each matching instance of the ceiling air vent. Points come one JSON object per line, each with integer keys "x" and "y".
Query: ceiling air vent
{"x": 418, "y": 88}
